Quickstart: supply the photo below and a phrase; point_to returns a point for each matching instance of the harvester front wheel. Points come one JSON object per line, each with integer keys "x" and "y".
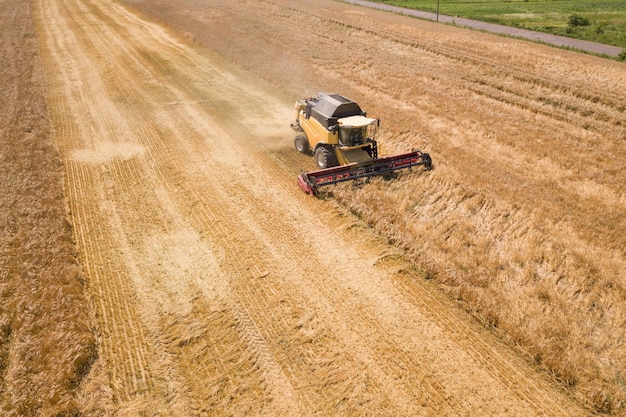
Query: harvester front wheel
{"x": 325, "y": 158}
{"x": 302, "y": 144}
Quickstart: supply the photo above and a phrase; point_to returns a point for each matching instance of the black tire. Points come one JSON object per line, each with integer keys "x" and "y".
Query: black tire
{"x": 325, "y": 158}
{"x": 302, "y": 144}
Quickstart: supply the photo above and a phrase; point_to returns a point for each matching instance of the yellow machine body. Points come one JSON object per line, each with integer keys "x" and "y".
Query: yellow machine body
{"x": 336, "y": 130}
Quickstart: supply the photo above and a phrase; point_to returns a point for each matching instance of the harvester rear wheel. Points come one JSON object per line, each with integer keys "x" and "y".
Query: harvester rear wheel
{"x": 302, "y": 144}
{"x": 325, "y": 158}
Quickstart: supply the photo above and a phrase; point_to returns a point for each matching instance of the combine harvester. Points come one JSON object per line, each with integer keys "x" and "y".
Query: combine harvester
{"x": 343, "y": 140}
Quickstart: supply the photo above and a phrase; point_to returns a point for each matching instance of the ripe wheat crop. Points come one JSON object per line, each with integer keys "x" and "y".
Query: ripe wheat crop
{"x": 47, "y": 344}
{"x": 522, "y": 218}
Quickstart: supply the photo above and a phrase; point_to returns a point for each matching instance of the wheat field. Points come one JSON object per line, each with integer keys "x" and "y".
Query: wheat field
{"x": 522, "y": 219}
{"x": 521, "y": 222}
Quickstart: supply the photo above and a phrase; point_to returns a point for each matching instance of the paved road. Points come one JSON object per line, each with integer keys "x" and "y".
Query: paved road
{"x": 596, "y": 48}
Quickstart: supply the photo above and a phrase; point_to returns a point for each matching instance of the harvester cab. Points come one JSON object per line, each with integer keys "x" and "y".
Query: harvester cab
{"x": 343, "y": 140}
{"x": 357, "y": 132}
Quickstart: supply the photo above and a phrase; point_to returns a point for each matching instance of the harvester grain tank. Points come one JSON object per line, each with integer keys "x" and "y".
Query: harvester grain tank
{"x": 343, "y": 140}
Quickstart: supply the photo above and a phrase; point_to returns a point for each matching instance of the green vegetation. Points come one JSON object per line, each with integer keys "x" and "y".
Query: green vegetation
{"x": 597, "y": 21}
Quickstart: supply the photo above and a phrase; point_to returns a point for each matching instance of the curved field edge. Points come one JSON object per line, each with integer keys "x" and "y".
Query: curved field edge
{"x": 47, "y": 343}
{"x": 522, "y": 218}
